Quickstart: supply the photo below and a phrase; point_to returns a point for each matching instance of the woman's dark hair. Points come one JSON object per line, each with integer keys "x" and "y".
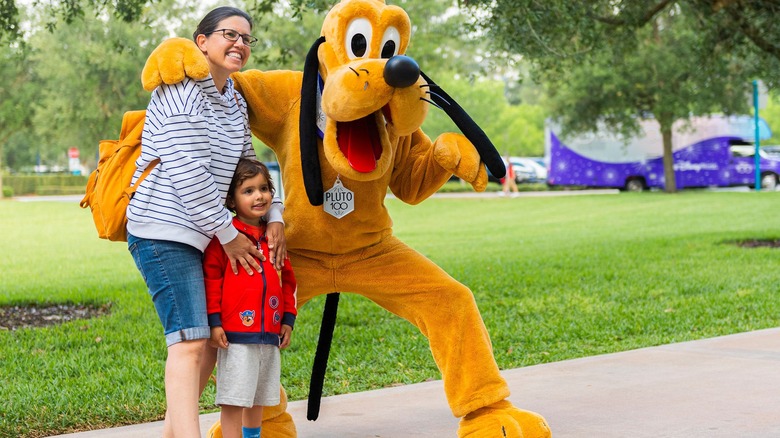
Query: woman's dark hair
{"x": 210, "y": 22}
{"x": 245, "y": 169}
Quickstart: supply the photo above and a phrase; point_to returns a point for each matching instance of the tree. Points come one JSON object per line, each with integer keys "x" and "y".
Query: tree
{"x": 513, "y": 129}
{"x": 772, "y": 116}
{"x": 561, "y": 27}
{"x": 56, "y": 12}
{"x": 614, "y": 63}
{"x": 15, "y": 98}
{"x": 79, "y": 79}
{"x": 84, "y": 69}
{"x": 81, "y": 99}
{"x": 560, "y": 30}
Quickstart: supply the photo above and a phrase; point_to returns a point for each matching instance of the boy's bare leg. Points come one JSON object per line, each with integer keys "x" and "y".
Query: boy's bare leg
{"x": 230, "y": 418}
{"x": 253, "y": 417}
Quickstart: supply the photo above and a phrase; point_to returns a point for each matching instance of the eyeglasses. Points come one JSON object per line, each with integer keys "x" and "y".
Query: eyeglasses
{"x": 232, "y": 35}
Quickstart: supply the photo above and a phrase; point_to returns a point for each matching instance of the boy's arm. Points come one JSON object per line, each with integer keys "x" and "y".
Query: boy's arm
{"x": 218, "y": 338}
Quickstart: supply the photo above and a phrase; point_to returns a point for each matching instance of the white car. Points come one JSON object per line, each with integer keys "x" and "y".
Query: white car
{"x": 523, "y": 172}
{"x": 530, "y": 168}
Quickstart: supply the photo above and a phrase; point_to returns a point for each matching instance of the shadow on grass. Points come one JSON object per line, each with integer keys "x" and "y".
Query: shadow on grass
{"x": 36, "y": 315}
{"x": 755, "y": 243}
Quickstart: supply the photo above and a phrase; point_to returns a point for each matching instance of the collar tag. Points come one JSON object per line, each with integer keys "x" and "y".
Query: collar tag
{"x": 339, "y": 200}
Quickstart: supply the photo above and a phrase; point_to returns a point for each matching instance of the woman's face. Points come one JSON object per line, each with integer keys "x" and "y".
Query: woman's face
{"x": 225, "y": 56}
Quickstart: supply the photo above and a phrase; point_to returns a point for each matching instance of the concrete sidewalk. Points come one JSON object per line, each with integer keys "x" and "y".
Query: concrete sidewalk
{"x": 720, "y": 387}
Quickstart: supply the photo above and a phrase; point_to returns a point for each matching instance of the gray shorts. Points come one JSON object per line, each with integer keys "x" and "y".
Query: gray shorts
{"x": 248, "y": 375}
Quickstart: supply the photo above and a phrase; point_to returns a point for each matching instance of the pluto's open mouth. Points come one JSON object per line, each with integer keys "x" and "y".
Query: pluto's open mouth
{"x": 359, "y": 142}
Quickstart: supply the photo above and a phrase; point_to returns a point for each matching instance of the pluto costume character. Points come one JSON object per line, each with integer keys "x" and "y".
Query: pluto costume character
{"x": 371, "y": 108}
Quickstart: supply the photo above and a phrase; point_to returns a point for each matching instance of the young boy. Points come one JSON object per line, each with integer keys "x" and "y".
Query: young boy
{"x": 251, "y": 316}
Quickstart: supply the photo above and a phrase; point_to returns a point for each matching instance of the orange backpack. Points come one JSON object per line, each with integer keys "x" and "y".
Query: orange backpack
{"x": 108, "y": 188}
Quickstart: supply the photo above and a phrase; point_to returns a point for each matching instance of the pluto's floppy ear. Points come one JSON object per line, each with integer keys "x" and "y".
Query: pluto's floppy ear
{"x": 310, "y": 157}
{"x": 469, "y": 128}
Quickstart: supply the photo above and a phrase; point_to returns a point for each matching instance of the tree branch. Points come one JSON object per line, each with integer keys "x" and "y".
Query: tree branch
{"x": 638, "y": 21}
{"x": 722, "y": 4}
{"x": 546, "y": 47}
{"x": 753, "y": 34}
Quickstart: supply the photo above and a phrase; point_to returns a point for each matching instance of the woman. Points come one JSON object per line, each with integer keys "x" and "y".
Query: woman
{"x": 198, "y": 130}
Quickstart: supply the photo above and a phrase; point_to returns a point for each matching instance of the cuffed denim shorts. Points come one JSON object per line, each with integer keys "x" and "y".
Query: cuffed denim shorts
{"x": 173, "y": 272}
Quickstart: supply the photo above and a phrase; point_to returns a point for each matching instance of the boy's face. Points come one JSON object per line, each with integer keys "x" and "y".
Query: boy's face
{"x": 252, "y": 199}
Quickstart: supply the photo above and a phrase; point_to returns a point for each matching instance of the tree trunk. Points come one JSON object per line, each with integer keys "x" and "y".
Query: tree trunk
{"x": 670, "y": 184}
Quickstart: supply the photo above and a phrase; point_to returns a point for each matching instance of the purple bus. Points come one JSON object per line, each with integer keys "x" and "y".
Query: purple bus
{"x": 716, "y": 151}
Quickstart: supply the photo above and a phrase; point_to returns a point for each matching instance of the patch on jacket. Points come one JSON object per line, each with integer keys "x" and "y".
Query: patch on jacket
{"x": 247, "y": 317}
{"x": 273, "y": 301}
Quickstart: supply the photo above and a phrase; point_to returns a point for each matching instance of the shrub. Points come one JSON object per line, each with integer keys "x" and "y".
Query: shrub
{"x": 30, "y": 184}
{"x": 59, "y": 190}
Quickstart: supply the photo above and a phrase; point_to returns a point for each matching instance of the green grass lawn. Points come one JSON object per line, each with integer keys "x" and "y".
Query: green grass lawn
{"x": 555, "y": 278}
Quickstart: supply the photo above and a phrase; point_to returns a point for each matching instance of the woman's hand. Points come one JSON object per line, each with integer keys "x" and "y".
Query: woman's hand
{"x": 242, "y": 251}
{"x": 277, "y": 244}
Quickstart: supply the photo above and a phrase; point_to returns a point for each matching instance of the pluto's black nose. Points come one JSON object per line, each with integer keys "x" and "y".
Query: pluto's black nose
{"x": 401, "y": 71}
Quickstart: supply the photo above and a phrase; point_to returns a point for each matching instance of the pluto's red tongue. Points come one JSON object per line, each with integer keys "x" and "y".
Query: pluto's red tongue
{"x": 359, "y": 142}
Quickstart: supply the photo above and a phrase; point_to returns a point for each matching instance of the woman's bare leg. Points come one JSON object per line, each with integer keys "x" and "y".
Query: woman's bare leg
{"x": 182, "y": 388}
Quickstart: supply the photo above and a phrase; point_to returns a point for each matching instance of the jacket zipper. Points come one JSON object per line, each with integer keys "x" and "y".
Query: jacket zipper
{"x": 263, "y": 295}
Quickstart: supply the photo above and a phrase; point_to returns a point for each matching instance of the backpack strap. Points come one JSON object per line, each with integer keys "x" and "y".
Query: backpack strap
{"x": 131, "y": 190}
{"x": 146, "y": 172}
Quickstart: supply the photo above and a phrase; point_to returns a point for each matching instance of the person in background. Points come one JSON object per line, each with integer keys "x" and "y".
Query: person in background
{"x": 251, "y": 316}
{"x": 509, "y": 181}
{"x": 198, "y": 129}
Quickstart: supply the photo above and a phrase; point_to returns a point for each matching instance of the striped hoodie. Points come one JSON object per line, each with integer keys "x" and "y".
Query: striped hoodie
{"x": 198, "y": 134}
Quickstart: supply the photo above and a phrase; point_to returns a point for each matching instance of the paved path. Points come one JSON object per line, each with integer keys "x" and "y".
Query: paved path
{"x": 712, "y": 388}
{"x": 469, "y": 194}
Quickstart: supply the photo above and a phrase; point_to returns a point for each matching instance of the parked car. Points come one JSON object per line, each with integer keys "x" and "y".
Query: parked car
{"x": 538, "y": 170}
{"x": 524, "y": 172}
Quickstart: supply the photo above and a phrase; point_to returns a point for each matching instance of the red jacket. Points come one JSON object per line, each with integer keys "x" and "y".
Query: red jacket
{"x": 250, "y": 308}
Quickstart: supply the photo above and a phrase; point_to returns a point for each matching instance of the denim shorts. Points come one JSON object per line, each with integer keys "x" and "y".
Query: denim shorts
{"x": 173, "y": 272}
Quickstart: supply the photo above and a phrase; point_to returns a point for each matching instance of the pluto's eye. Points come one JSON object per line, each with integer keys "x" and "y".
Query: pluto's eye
{"x": 390, "y": 42}
{"x": 358, "y": 37}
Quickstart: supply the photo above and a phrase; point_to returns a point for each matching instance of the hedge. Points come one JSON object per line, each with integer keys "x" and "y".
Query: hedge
{"x": 46, "y": 184}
